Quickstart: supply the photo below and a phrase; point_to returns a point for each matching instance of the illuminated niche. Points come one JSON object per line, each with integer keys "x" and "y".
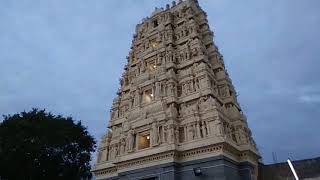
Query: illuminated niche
{"x": 154, "y": 44}
{"x": 152, "y": 66}
{"x": 144, "y": 141}
{"x": 148, "y": 96}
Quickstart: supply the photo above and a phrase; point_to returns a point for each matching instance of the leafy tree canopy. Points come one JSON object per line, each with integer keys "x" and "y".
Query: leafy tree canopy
{"x": 39, "y": 145}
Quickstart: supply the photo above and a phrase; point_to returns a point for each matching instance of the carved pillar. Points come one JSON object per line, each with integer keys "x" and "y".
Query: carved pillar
{"x": 157, "y": 90}
{"x": 159, "y": 59}
{"x": 176, "y": 135}
{"x": 198, "y": 135}
{"x": 161, "y": 131}
{"x": 191, "y": 132}
{"x": 186, "y": 133}
{"x": 197, "y": 85}
{"x": 192, "y": 88}
{"x": 172, "y": 134}
{"x": 213, "y": 128}
{"x": 154, "y": 134}
{"x": 165, "y": 134}
{"x": 169, "y": 89}
{"x": 107, "y": 153}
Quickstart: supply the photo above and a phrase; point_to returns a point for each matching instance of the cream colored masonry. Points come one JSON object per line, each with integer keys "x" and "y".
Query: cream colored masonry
{"x": 176, "y": 102}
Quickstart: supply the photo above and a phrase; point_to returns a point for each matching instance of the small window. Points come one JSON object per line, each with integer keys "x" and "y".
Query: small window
{"x": 155, "y": 23}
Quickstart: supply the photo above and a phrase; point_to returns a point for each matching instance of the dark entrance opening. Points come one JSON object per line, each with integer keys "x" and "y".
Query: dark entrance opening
{"x": 152, "y": 178}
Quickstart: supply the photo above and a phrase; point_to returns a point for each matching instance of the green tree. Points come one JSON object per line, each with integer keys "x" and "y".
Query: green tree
{"x": 39, "y": 145}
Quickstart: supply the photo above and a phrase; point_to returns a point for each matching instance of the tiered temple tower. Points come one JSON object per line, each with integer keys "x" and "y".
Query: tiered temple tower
{"x": 176, "y": 115}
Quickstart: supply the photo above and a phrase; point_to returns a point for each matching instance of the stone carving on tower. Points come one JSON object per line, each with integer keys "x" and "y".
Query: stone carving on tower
{"x": 176, "y": 102}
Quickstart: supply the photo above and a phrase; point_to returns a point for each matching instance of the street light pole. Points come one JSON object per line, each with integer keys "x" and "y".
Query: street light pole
{"x": 293, "y": 170}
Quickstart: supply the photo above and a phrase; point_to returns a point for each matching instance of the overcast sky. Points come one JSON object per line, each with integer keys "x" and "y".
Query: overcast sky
{"x": 67, "y": 55}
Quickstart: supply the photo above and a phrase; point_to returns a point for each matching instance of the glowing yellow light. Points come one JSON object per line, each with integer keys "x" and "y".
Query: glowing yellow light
{"x": 154, "y": 66}
{"x": 151, "y": 95}
{"x": 154, "y": 44}
{"x": 148, "y": 137}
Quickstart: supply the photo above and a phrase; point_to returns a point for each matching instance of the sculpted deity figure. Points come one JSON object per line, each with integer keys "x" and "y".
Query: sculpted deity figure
{"x": 163, "y": 58}
{"x": 183, "y": 109}
{"x": 130, "y": 139}
{"x": 189, "y": 12}
{"x": 110, "y": 152}
{"x": 107, "y": 153}
{"x": 157, "y": 90}
{"x": 159, "y": 59}
{"x": 241, "y": 136}
{"x": 228, "y": 131}
{"x": 125, "y": 125}
{"x": 191, "y": 132}
{"x": 137, "y": 98}
{"x": 108, "y": 136}
{"x": 176, "y": 135}
{"x": 131, "y": 100}
{"x": 187, "y": 53}
{"x": 143, "y": 66}
{"x": 171, "y": 134}
{"x": 122, "y": 146}
{"x": 172, "y": 111}
{"x": 223, "y": 91}
{"x": 165, "y": 134}
{"x": 194, "y": 52}
{"x": 170, "y": 34}
{"x": 198, "y": 130}
{"x": 211, "y": 101}
{"x": 116, "y": 153}
{"x": 187, "y": 88}
{"x": 155, "y": 133}
{"x": 203, "y": 103}
{"x": 220, "y": 129}
{"x": 192, "y": 88}
{"x": 170, "y": 89}
{"x": 197, "y": 85}
{"x": 170, "y": 56}
{"x": 204, "y": 129}
{"x": 147, "y": 43}
{"x": 195, "y": 67}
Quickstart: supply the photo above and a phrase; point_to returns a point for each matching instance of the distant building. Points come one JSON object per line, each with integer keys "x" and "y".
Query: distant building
{"x": 308, "y": 169}
{"x": 176, "y": 116}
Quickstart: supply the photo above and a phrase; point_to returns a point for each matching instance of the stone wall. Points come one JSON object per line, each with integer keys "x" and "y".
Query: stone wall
{"x": 217, "y": 168}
